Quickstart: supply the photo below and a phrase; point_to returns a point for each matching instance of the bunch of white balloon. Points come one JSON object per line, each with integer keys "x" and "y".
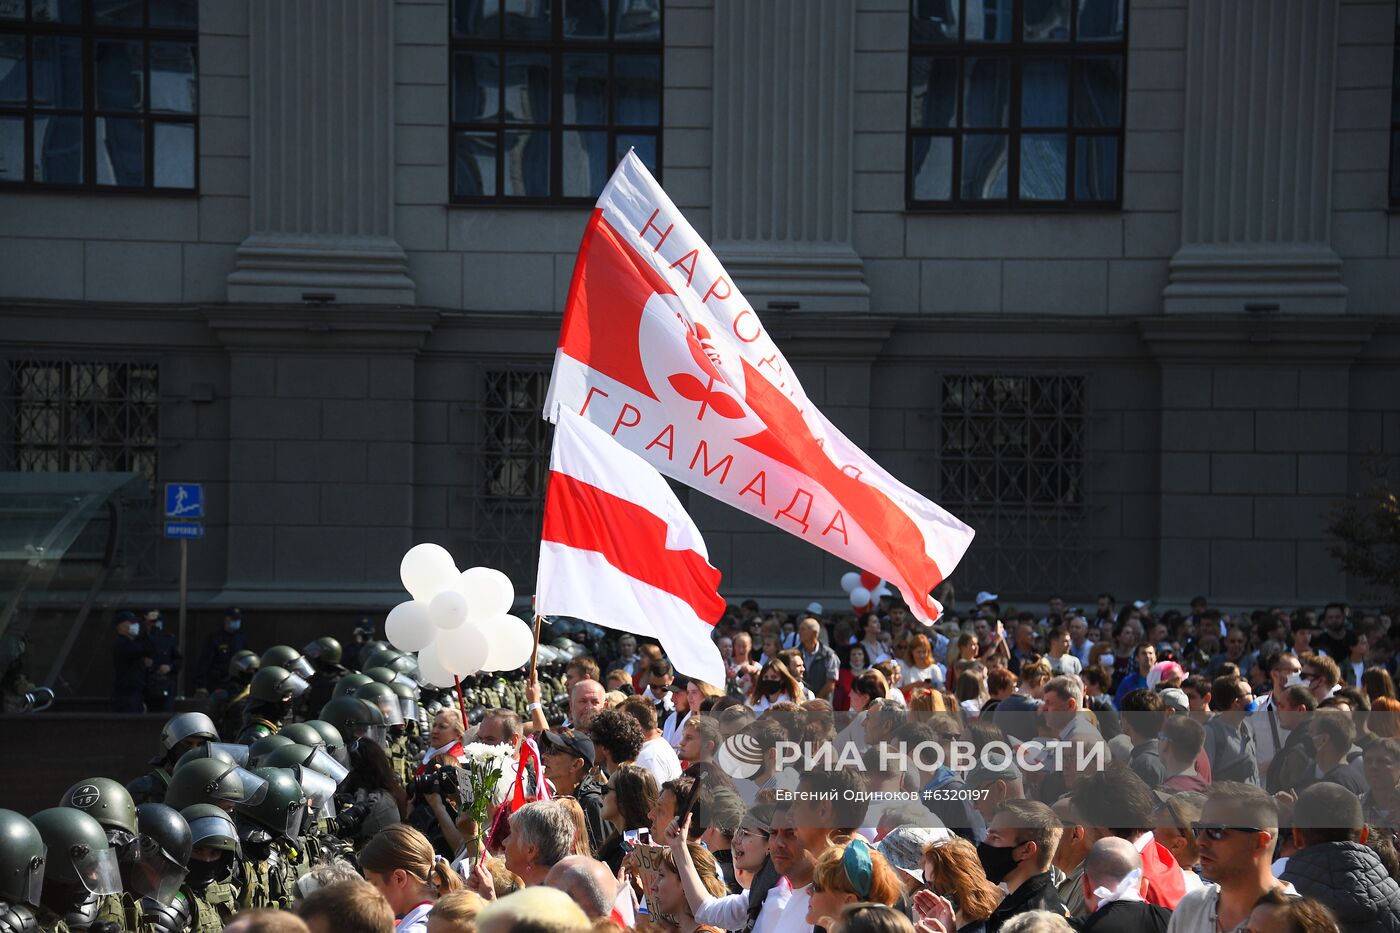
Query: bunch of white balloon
{"x": 459, "y": 622}
{"x": 865, "y": 589}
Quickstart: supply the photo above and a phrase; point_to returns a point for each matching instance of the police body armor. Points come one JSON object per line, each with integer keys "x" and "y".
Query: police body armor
{"x": 50, "y": 922}
{"x": 174, "y": 917}
{"x": 18, "y": 918}
{"x": 84, "y": 916}
{"x": 121, "y": 909}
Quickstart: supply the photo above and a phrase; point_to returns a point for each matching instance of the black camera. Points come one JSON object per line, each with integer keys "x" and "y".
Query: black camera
{"x": 438, "y": 779}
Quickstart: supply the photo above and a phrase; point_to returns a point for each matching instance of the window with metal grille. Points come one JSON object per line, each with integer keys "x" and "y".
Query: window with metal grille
{"x": 548, "y": 95}
{"x": 1016, "y": 104}
{"x": 76, "y": 416}
{"x": 514, "y": 459}
{"x": 1012, "y": 466}
{"x": 99, "y": 95}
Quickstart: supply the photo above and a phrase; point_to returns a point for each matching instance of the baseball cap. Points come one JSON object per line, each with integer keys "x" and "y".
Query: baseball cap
{"x": 815, "y": 608}
{"x": 1175, "y": 699}
{"x": 903, "y": 847}
{"x": 986, "y": 597}
{"x": 574, "y": 742}
{"x": 679, "y": 683}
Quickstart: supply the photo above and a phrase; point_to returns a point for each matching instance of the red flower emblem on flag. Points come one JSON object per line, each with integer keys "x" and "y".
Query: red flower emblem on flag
{"x": 713, "y": 392}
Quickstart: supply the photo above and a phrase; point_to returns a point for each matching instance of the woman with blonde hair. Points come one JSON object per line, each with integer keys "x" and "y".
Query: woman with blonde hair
{"x": 774, "y": 684}
{"x": 852, "y": 873}
{"x": 952, "y": 871}
{"x": 401, "y": 864}
{"x": 580, "y": 845}
{"x": 669, "y": 892}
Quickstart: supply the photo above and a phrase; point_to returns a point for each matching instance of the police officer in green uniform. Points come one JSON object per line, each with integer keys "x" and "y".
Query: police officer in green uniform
{"x": 212, "y": 888}
{"x": 213, "y": 781}
{"x": 381, "y": 696}
{"x": 165, "y": 843}
{"x": 319, "y": 775}
{"x": 325, "y": 655}
{"x": 265, "y": 746}
{"x": 108, "y": 802}
{"x": 21, "y": 873}
{"x": 181, "y": 734}
{"x": 330, "y": 735}
{"x": 226, "y": 703}
{"x": 80, "y": 869}
{"x": 347, "y": 685}
{"x": 290, "y": 659}
{"x": 270, "y": 832}
{"x": 270, "y": 697}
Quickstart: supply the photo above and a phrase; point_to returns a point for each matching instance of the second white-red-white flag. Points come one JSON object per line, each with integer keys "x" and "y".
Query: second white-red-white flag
{"x": 660, "y": 349}
{"x": 619, "y": 550}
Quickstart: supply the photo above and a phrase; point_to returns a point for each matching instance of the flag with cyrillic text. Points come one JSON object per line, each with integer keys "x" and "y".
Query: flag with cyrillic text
{"x": 660, "y": 349}
{"x": 619, "y": 550}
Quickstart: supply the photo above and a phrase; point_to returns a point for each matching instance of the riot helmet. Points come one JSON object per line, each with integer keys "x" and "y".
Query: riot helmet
{"x": 243, "y": 665}
{"x": 264, "y": 746}
{"x": 210, "y": 780}
{"x": 281, "y": 809}
{"x": 388, "y": 702}
{"x": 108, "y": 802}
{"x": 287, "y": 658}
{"x": 273, "y": 684}
{"x": 348, "y": 684}
{"x": 302, "y": 734}
{"x": 165, "y": 845}
{"x": 22, "y": 856}
{"x": 335, "y": 744}
{"x": 325, "y": 650}
{"x": 290, "y": 756}
{"x": 354, "y": 718}
{"x": 190, "y": 728}
{"x": 78, "y": 853}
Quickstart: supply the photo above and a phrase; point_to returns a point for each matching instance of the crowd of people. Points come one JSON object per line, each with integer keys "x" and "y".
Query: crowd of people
{"x": 1005, "y": 771}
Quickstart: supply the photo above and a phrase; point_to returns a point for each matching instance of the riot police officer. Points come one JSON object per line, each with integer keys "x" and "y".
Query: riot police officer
{"x": 108, "y": 802}
{"x": 325, "y": 655}
{"x": 353, "y": 718}
{"x": 166, "y": 661}
{"x": 182, "y": 733}
{"x": 347, "y": 685}
{"x": 81, "y": 868}
{"x": 270, "y": 832}
{"x": 158, "y": 875}
{"x": 381, "y": 696}
{"x": 213, "y": 780}
{"x": 213, "y": 885}
{"x": 270, "y": 698}
{"x": 226, "y": 703}
{"x": 21, "y": 873}
{"x": 219, "y": 648}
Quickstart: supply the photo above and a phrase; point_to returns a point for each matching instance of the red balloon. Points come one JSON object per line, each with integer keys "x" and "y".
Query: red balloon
{"x": 869, "y": 580}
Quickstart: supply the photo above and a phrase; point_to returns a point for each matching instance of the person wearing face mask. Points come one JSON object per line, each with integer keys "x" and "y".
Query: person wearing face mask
{"x": 110, "y": 804}
{"x": 1016, "y": 854}
{"x": 166, "y": 661}
{"x": 213, "y": 885}
{"x": 79, "y": 870}
{"x": 958, "y": 893}
{"x": 774, "y": 684}
{"x": 212, "y": 672}
{"x": 131, "y": 661}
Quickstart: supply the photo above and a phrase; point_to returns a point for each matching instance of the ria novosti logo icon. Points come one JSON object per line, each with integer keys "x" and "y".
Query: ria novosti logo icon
{"x": 740, "y": 756}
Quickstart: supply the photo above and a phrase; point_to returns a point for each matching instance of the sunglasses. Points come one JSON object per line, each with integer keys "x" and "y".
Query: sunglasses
{"x": 1217, "y": 833}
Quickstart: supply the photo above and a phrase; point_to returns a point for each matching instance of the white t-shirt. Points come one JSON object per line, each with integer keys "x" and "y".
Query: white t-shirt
{"x": 658, "y": 757}
{"x": 794, "y": 917}
{"x": 732, "y": 912}
{"x": 415, "y": 921}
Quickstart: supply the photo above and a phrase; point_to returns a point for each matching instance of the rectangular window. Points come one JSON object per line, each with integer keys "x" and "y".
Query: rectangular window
{"x": 99, "y": 95}
{"x": 64, "y": 416}
{"x": 1395, "y": 118}
{"x": 548, "y": 95}
{"x": 1012, "y": 465}
{"x": 1016, "y": 104}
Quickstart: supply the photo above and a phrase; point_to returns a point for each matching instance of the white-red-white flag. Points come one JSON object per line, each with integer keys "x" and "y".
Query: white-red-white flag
{"x": 619, "y": 550}
{"x": 660, "y": 350}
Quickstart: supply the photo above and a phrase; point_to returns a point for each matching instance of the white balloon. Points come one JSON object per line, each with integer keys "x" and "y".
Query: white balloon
{"x": 426, "y": 570}
{"x": 882, "y": 590}
{"x": 860, "y": 597}
{"x": 510, "y": 642}
{"x": 489, "y": 592}
{"x": 408, "y": 627}
{"x": 448, "y": 609}
{"x": 462, "y": 650}
{"x": 849, "y": 581}
{"x": 432, "y": 670}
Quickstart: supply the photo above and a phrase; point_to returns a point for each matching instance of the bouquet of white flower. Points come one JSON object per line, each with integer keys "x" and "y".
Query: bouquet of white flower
{"x": 483, "y": 766}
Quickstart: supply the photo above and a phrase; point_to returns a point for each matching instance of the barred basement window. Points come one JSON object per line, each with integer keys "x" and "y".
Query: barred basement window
{"x": 1012, "y": 466}
{"x": 514, "y": 459}
{"x": 70, "y": 416}
{"x": 99, "y": 95}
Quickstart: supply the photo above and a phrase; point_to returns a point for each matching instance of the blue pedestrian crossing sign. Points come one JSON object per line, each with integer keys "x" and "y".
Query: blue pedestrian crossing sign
{"x": 184, "y": 500}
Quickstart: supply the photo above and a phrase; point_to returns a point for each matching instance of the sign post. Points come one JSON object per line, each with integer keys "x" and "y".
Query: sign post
{"x": 184, "y": 511}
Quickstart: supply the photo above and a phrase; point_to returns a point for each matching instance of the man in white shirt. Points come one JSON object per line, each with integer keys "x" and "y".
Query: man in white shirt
{"x": 1239, "y": 824}
{"x": 657, "y": 755}
{"x": 793, "y": 861}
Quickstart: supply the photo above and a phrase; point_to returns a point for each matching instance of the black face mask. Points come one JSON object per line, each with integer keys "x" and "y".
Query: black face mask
{"x": 203, "y": 874}
{"x": 997, "y": 861}
{"x": 770, "y": 687}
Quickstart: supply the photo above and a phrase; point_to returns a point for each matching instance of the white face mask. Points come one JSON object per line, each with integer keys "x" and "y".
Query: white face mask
{"x": 133, "y": 628}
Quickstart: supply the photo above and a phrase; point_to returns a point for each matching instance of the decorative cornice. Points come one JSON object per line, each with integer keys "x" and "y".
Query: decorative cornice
{"x": 1257, "y": 337}
{"x": 321, "y": 329}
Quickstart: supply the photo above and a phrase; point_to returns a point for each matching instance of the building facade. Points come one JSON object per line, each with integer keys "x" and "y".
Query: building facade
{"x": 1116, "y": 282}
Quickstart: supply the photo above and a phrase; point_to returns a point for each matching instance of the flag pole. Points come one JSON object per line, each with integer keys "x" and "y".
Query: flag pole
{"x": 461, "y": 703}
{"x": 535, "y": 651}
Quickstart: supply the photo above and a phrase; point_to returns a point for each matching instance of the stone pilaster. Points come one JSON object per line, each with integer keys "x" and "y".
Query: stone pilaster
{"x": 322, "y": 156}
{"x": 783, "y": 98}
{"x": 1256, "y": 187}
